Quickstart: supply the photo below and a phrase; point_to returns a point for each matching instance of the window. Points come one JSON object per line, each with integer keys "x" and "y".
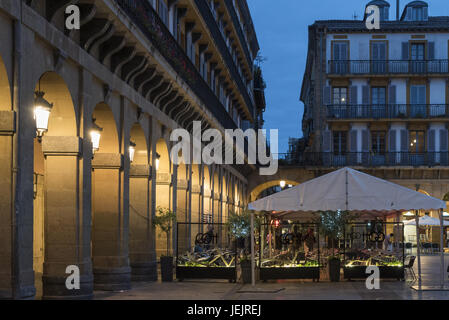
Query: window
{"x": 416, "y": 140}
{"x": 163, "y": 12}
{"x": 418, "y": 101}
{"x": 340, "y": 96}
{"x": 379, "y": 56}
{"x": 418, "y": 14}
{"x": 378, "y": 102}
{"x": 378, "y": 142}
{"x": 340, "y": 138}
{"x": 340, "y": 53}
{"x": 418, "y": 51}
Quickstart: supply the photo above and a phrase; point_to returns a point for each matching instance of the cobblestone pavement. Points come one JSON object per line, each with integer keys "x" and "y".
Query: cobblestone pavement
{"x": 285, "y": 290}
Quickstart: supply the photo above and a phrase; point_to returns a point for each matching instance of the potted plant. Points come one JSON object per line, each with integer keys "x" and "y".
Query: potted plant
{"x": 164, "y": 219}
{"x": 239, "y": 226}
{"x": 332, "y": 225}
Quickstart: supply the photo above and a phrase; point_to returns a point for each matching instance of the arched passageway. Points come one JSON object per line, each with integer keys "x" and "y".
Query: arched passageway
{"x": 6, "y": 182}
{"x": 60, "y": 239}
{"x": 110, "y": 253}
{"x": 164, "y": 198}
{"x": 141, "y": 238}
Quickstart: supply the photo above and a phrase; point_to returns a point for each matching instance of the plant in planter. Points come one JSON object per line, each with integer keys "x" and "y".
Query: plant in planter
{"x": 164, "y": 219}
{"x": 332, "y": 225}
{"x": 239, "y": 226}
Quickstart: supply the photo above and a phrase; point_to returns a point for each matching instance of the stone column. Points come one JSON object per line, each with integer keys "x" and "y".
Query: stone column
{"x": 182, "y": 215}
{"x": 66, "y": 241}
{"x": 109, "y": 244}
{"x": 143, "y": 263}
{"x": 7, "y": 129}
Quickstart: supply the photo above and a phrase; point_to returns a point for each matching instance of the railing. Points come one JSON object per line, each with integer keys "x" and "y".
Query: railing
{"x": 388, "y": 111}
{"x": 343, "y": 67}
{"x": 221, "y": 44}
{"x": 150, "y": 24}
{"x": 365, "y": 159}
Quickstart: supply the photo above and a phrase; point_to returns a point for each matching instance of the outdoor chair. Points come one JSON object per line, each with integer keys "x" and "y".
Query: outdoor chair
{"x": 435, "y": 247}
{"x": 408, "y": 247}
{"x": 426, "y": 247}
{"x": 408, "y": 266}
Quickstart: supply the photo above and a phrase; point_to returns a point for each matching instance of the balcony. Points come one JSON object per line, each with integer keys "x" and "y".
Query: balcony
{"x": 150, "y": 24}
{"x": 387, "y": 67}
{"x": 387, "y": 111}
{"x": 366, "y": 159}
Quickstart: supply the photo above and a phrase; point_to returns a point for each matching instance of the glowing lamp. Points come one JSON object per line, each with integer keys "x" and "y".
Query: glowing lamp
{"x": 409, "y": 214}
{"x": 42, "y": 110}
{"x": 95, "y": 136}
{"x": 158, "y": 157}
{"x": 282, "y": 184}
{"x": 132, "y": 151}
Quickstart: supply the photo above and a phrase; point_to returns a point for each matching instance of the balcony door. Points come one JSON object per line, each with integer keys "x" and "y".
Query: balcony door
{"x": 417, "y": 147}
{"x": 418, "y": 101}
{"x": 378, "y": 102}
{"x": 379, "y": 57}
{"x": 378, "y": 147}
{"x": 339, "y": 147}
{"x": 340, "y": 101}
{"x": 418, "y": 57}
{"x": 340, "y": 56}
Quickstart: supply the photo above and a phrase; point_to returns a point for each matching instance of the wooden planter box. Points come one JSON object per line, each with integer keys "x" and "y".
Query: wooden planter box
{"x": 206, "y": 273}
{"x": 359, "y": 272}
{"x": 290, "y": 273}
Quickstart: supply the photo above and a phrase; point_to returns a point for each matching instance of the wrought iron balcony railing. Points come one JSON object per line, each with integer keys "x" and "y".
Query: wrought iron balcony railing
{"x": 150, "y": 24}
{"x": 366, "y": 159}
{"x": 388, "y": 111}
{"x": 384, "y": 67}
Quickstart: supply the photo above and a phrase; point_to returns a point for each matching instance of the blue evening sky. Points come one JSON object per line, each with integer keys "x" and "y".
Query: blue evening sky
{"x": 282, "y": 30}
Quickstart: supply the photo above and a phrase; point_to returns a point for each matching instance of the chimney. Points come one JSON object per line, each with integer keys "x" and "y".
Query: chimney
{"x": 397, "y": 10}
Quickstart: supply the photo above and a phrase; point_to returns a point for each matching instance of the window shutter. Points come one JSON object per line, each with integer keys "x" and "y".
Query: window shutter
{"x": 431, "y": 51}
{"x": 425, "y": 13}
{"x": 353, "y": 95}
{"x": 327, "y": 141}
{"x": 431, "y": 140}
{"x": 383, "y": 52}
{"x": 444, "y": 140}
{"x": 353, "y": 142}
{"x": 404, "y": 141}
{"x": 327, "y": 95}
{"x": 392, "y": 141}
{"x": 365, "y": 141}
{"x": 392, "y": 94}
{"x": 365, "y": 94}
{"x": 405, "y": 51}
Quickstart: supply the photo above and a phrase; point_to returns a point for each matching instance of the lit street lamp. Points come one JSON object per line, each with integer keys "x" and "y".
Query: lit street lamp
{"x": 95, "y": 135}
{"x": 158, "y": 157}
{"x": 42, "y": 110}
{"x": 132, "y": 151}
{"x": 282, "y": 184}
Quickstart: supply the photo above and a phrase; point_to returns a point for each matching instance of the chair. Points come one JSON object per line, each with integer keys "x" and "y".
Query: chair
{"x": 408, "y": 247}
{"x": 408, "y": 265}
{"x": 426, "y": 247}
{"x": 435, "y": 247}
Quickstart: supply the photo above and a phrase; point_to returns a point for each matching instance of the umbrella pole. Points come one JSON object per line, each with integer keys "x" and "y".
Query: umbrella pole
{"x": 418, "y": 247}
{"x": 442, "y": 247}
{"x": 253, "y": 262}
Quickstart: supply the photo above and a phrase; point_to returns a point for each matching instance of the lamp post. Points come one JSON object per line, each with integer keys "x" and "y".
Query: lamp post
{"x": 42, "y": 110}
{"x": 132, "y": 151}
{"x": 95, "y": 136}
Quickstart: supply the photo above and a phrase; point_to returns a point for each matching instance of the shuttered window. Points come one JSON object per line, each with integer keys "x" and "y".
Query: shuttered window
{"x": 416, "y": 140}
{"x": 378, "y": 142}
{"x": 340, "y": 142}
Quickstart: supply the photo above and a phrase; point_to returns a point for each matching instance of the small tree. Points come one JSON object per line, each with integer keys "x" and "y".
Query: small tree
{"x": 239, "y": 226}
{"x": 164, "y": 219}
{"x": 333, "y": 224}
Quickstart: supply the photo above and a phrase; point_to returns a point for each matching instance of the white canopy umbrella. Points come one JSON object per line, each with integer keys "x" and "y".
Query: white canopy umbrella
{"x": 350, "y": 190}
{"x": 426, "y": 221}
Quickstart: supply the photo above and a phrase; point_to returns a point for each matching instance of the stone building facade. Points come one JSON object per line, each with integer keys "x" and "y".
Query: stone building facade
{"x": 138, "y": 70}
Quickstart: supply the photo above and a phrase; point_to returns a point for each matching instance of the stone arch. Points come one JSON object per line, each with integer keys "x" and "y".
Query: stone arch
{"x": 164, "y": 190}
{"x": 5, "y": 88}
{"x": 6, "y": 182}
{"x": 141, "y": 249}
{"x": 57, "y": 206}
{"x": 109, "y": 215}
{"x": 254, "y": 194}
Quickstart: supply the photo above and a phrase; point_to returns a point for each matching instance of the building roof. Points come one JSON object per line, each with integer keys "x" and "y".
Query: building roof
{"x": 434, "y": 24}
{"x": 379, "y": 3}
